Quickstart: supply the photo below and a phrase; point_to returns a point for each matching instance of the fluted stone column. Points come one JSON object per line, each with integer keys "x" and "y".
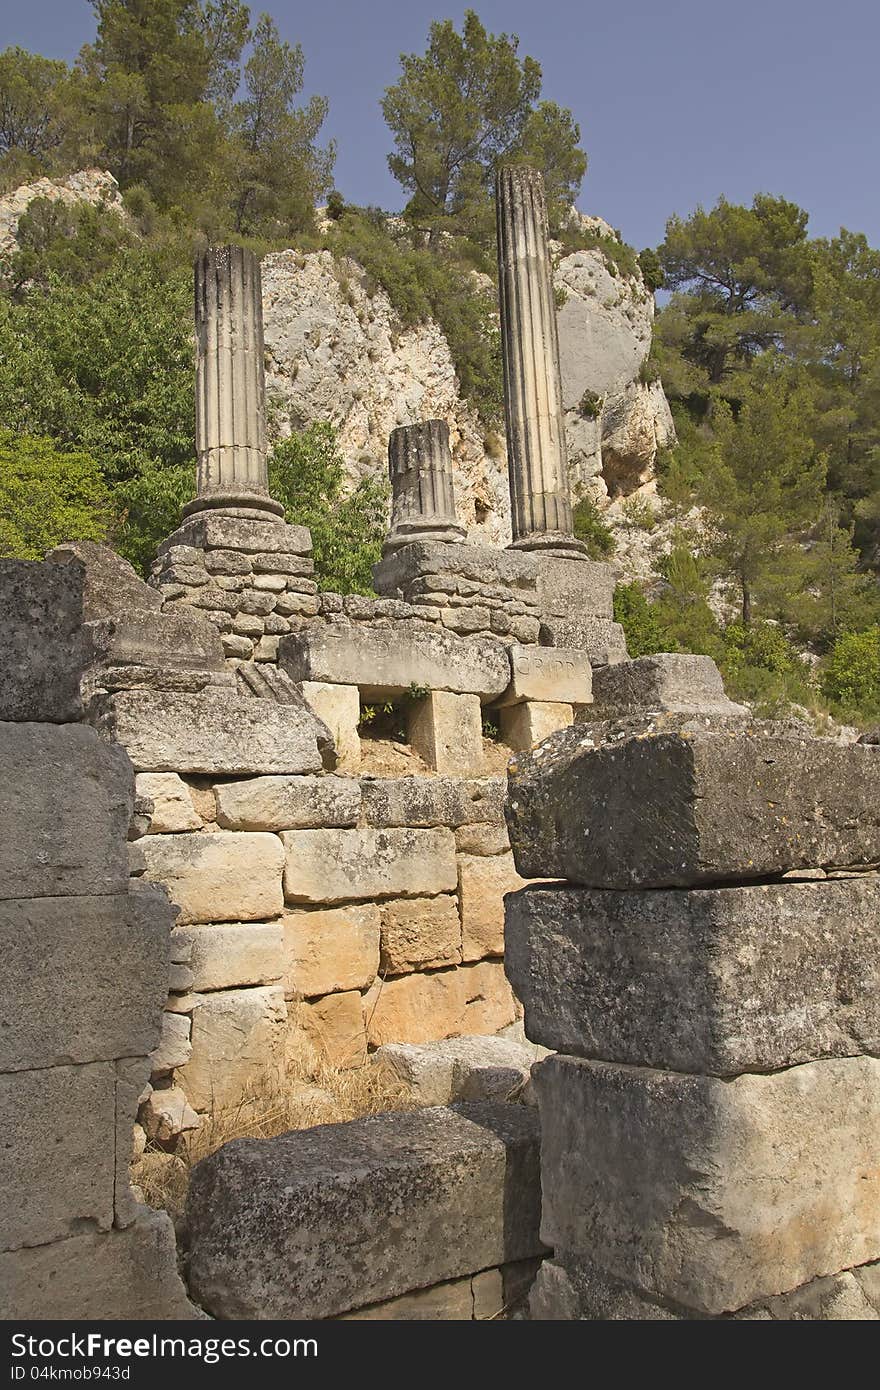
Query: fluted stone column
{"x": 230, "y": 385}
{"x": 537, "y": 465}
{"x": 422, "y": 498}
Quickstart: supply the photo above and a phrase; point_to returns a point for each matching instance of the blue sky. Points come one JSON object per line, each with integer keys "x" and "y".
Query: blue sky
{"x": 678, "y": 101}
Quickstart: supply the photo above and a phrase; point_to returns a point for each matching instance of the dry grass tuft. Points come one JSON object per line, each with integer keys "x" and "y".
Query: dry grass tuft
{"x": 312, "y": 1092}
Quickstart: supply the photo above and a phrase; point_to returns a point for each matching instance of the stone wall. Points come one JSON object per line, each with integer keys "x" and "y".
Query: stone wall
{"x": 85, "y": 973}
{"x": 321, "y": 912}
{"x": 708, "y": 976}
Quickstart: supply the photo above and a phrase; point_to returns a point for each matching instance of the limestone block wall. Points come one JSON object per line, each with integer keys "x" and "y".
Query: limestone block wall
{"x": 324, "y": 912}
{"x": 85, "y": 972}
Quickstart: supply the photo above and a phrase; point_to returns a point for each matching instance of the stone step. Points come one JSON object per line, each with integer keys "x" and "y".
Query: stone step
{"x": 467, "y": 1068}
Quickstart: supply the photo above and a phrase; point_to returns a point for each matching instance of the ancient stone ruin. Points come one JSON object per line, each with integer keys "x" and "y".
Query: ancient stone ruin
{"x": 212, "y": 868}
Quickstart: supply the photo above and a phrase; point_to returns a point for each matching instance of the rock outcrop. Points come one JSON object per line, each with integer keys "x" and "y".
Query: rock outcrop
{"x": 95, "y": 186}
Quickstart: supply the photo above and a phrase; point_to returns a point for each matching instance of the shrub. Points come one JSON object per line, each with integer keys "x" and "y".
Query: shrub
{"x": 850, "y": 678}
{"x": 48, "y": 495}
{"x": 591, "y": 529}
{"x": 307, "y": 474}
{"x": 761, "y": 667}
{"x": 639, "y": 621}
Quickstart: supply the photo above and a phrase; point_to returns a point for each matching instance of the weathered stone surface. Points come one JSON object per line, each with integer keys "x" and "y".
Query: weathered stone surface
{"x": 427, "y": 1006}
{"x": 486, "y": 837}
{"x": 173, "y": 808}
{"x": 128, "y": 1275}
{"x": 181, "y": 639}
{"x": 111, "y": 584}
{"x": 482, "y": 883}
{"x": 478, "y": 564}
{"x": 527, "y": 724}
{"x": 167, "y": 1113}
{"x": 174, "y": 1047}
{"x": 330, "y": 950}
{"x": 237, "y": 1042}
{"x": 438, "y": 1073}
{"x": 57, "y": 1157}
{"x": 288, "y": 803}
{"x": 320, "y": 1221}
{"x": 422, "y": 496}
{"x": 603, "y": 641}
{"x": 718, "y": 980}
{"x": 229, "y": 955}
{"x": 712, "y": 1193}
{"x": 446, "y": 731}
{"x": 207, "y": 531}
{"x": 42, "y": 641}
{"x": 217, "y": 731}
{"x": 84, "y": 979}
{"x": 548, "y": 674}
{"x": 715, "y": 802}
{"x": 670, "y": 682}
{"x": 575, "y": 587}
{"x": 339, "y": 707}
{"x": 331, "y": 1029}
{"x": 448, "y": 1302}
{"x": 330, "y": 866}
{"x": 218, "y": 877}
{"x": 384, "y": 662}
{"x": 420, "y": 934}
{"x": 66, "y": 800}
{"x": 429, "y": 801}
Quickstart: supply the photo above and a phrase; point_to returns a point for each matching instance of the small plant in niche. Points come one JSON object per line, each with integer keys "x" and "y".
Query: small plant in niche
{"x": 590, "y": 405}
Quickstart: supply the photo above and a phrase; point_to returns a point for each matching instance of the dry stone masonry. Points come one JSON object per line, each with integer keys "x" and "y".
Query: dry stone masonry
{"x": 709, "y": 1121}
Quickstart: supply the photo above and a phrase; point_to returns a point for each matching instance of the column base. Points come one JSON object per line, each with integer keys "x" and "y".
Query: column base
{"x": 433, "y": 535}
{"x": 553, "y": 543}
{"x": 254, "y": 506}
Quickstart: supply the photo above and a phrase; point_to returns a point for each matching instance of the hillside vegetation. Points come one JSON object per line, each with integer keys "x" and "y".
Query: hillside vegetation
{"x": 768, "y": 346}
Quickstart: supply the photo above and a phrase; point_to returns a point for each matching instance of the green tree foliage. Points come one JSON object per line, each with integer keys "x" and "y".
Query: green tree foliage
{"x": 760, "y": 666}
{"x": 463, "y": 107}
{"x": 850, "y": 678}
{"x": 589, "y": 527}
{"x": 762, "y": 485}
{"x": 64, "y": 242}
{"x": 280, "y": 169}
{"x": 48, "y": 495}
{"x": 307, "y": 474}
{"x": 153, "y": 99}
{"x": 639, "y": 621}
{"x": 746, "y": 272}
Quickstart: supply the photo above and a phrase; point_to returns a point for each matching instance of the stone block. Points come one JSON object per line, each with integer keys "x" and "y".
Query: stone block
{"x": 57, "y": 1167}
{"x": 339, "y": 707}
{"x": 167, "y": 1113}
{"x": 386, "y": 662}
{"x": 84, "y": 979}
{"x": 179, "y": 639}
{"x": 317, "y": 1222}
{"x": 396, "y": 573}
{"x": 112, "y": 1276}
{"x": 207, "y": 531}
{"x": 419, "y": 934}
{"x": 174, "y": 1047}
{"x": 218, "y": 877}
{"x": 332, "y": 1029}
{"x": 237, "y": 1046}
{"x": 428, "y": 1006}
{"x": 216, "y": 732}
{"x": 288, "y": 803}
{"x": 173, "y": 808}
{"x": 331, "y": 866}
{"x": 527, "y": 724}
{"x": 229, "y": 955}
{"x": 486, "y": 837}
{"x": 709, "y": 1193}
{"x": 429, "y": 801}
{"x": 446, "y": 731}
{"x": 482, "y": 884}
{"x": 551, "y": 675}
{"x": 715, "y": 980}
{"x": 42, "y": 641}
{"x": 330, "y": 950}
{"x": 448, "y": 1302}
{"x": 66, "y": 800}
{"x": 603, "y": 641}
{"x": 715, "y": 802}
{"x": 575, "y": 587}
{"x": 438, "y": 1073}
{"x": 669, "y": 683}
